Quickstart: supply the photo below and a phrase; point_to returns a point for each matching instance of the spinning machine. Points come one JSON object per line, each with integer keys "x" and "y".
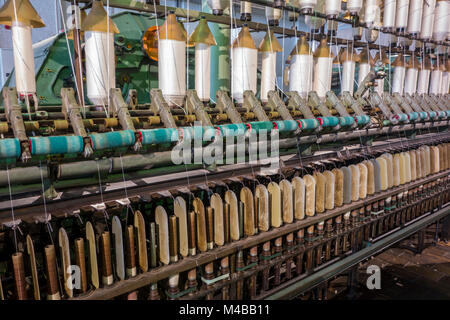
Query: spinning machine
{"x": 113, "y": 178}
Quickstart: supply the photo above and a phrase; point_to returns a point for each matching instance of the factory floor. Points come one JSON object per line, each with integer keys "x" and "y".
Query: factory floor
{"x": 404, "y": 274}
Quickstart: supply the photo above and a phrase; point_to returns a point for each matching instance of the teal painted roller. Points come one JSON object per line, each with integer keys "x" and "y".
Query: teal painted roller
{"x": 401, "y": 117}
{"x": 346, "y": 121}
{"x": 442, "y": 114}
{"x": 362, "y": 120}
{"x": 158, "y": 136}
{"x": 448, "y": 113}
{"x": 328, "y": 121}
{"x": 432, "y": 114}
{"x": 386, "y": 122}
{"x": 56, "y": 145}
{"x": 423, "y": 115}
{"x": 232, "y": 130}
{"x": 259, "y": 125}
{"x": 286, "y": 125}
{"x": 209, "y": 133}
{"x": 114, "y": 139}
{"x": 309, "y": 124}
{"x": 10, "y": 148}
{"x": 413, "y": 116}
{"x": 190, "y": 133}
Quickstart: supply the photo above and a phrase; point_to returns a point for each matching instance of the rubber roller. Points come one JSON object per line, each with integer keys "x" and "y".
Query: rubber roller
{"x": 362, "y": 120}
{"x": 346, "y": 121}
{"x": 56, "y": 145}
{"x": 309, "y": 124}
{"x": 10, "y": 148}
{"x": 328, "y": 121}
{"x": 401, "y": 117}
{"x": 232, "y": 130}
{"x": 413, "y": 116}
{"x": 158, "y": 136}
{"x": 259, "y": 125}
{"x": 112, "y": 139}
{"x": 287, "y": 125}
{"x": 197, "y": 132}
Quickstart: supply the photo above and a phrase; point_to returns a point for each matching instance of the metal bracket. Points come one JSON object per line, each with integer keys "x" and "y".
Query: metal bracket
{"x": 194, "y": 105}
{"x": 253, "y": 104}
{"x": 225, "y": 104}
{"x": 160, "y": 106}
{"x": 276, "y": 103}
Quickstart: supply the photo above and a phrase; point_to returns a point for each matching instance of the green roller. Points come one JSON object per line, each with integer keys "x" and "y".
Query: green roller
{"x": 114, "y": 139}
{"x": 309, "y": 124}
{"x": 362, "y": 120}
{"x": 346, "y": 121}
{"x": 158, "y": 136}
{"x": 328, "y": 121}
{"x": 286, "y": 125}
{"x": 56, "y": 145}
{"x": 232, "y": 130}
{"x": 423, "y": 115}
{"x": 259, "y": 125}
{"x": 432, "y": 114}
{"x": 442, "y": 114}
{"x": 413, "y": 116}
{"x": 10, "y": 148}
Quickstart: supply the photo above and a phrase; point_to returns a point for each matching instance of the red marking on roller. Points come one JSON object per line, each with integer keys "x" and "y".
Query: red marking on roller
{"x": 248, "y": 126}
{"x": 218, "y": 131}
{"x": 275, "y": 125}
{"x": 31, "y": 145}
{"x": 91, "y": 142}
{"x": 140, "y": 137}
{"x": 7, "y": 27}
{"x": 320, "y": 121}
{"x": 408, "y": 116}
{"x": 299, "y": 124}
{"x": 396, "y": 117}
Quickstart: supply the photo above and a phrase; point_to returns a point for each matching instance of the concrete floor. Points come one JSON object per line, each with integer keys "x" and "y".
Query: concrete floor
{"x": 404, "y": 275}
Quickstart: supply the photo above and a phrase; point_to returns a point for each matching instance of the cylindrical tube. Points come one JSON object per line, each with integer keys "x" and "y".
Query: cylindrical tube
{"x": 173, "y": 239}
{"x": 52, "y": 274}
{"x": 389, "y": 14}
{"x": 435, "y": 82}
{"x": 423, "y": 81}
{"x": 130, "y": 255}
{"x": 19, "y": 276}
{"x": 398, "y": 79}
{"x": 348, "y": 76}
{"x": 307, "y": 5}
{"x": 172, "y": 70}
{"x": 268, "y": 73}
{"x": 441, "y": 15}
{"x": 411, "y": 80}
{"x": 380, "y": 86}
{"x": 107, "y": 276}
{"x": 364, "y": 69}
{"x": 23, "y": 58}
{"x": 401, "y": 16}
{"x": 245, "y": 61}
{"x": 273, "y": 16}
{"x": 100, "y": 66}
{"x": 81, "y": 262}
{"x": 353, "y": 6}
{"x": 246, "y": 11}
{"x": 203, "y": 71}
{"x": 445, "y": 82}
{"x": 415, "y": 17}
{"x": 322, "y": 75}
{"x": 371, "y": 11}
{"x": 300, "y": 74}
{"x": 427, "y": 19}
{"x": 332, "y": 8}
